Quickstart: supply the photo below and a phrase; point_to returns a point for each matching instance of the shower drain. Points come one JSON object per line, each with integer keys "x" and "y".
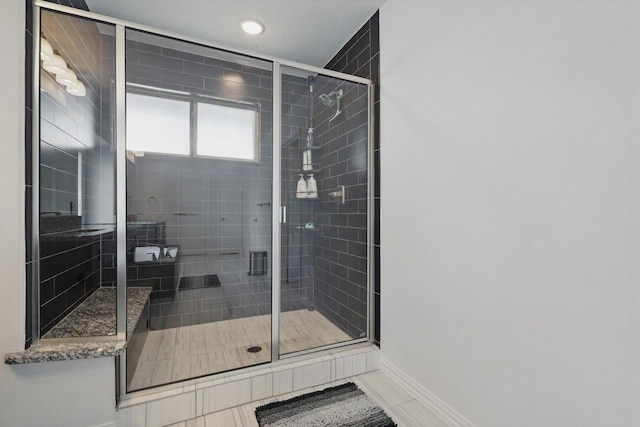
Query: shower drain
{"x": 254, "y": 349}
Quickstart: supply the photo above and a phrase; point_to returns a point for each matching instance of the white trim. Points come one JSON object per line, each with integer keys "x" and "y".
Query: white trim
{"x": 436, "y": 405}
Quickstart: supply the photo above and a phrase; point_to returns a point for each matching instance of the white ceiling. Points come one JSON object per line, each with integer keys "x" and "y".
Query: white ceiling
{"x": 307, "y": 31}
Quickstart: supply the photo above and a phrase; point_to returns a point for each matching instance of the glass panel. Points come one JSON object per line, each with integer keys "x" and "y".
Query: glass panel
{"x": 77, "y": 178}
{"x": 199, "y": 228}
{"x": 324, "y": 187}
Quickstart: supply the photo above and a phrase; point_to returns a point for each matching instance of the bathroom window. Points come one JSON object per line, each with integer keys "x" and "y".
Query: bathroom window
{"x": 227, "y": 132}
{"x": 170, "y": 122}
{"x": 158, "y": 124}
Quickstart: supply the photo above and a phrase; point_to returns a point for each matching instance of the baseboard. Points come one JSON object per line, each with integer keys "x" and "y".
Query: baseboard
{"x": 448, "y": 415}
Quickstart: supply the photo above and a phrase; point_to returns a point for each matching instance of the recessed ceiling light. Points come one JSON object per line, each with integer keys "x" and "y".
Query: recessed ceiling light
{"x": 251, "y": 27}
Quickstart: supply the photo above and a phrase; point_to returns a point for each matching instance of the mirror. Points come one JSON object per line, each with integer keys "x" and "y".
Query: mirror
{"x": 77, "y": 168}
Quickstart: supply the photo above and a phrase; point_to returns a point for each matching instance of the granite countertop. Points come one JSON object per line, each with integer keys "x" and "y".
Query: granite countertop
{"x": 65, "y": 351}
{"x": 95, "y": 317}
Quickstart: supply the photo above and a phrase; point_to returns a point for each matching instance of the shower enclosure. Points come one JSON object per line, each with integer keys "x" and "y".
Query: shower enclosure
{"x": 232, "y": 191}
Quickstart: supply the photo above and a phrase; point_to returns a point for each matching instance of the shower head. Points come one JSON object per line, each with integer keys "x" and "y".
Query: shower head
{"x": 328, "y": 99}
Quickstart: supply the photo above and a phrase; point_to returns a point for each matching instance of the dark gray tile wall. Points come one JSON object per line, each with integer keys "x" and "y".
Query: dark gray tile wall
{"x": 107, "y": 109}
{"x": 108, "y": 250}
{"x": 361, "y": 56}
{"x": 330, "y": 261}
{"x": 340, "y": 269}
{"x": 69, "y": 273}
{"x": 106, "y": 199}
{"x": 297, "y": 243}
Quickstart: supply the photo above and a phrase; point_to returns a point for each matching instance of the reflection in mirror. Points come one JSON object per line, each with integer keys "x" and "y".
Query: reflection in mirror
{"x": 77, "y": 170}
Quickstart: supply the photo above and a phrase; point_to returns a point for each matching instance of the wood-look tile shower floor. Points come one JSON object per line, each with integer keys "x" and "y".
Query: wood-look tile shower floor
{"x": 178, "y": 354}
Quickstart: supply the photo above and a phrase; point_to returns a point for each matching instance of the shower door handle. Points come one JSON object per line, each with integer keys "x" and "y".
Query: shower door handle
{"x": 283, "y": 214}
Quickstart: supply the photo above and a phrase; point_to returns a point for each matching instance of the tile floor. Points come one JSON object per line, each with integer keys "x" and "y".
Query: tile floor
{"x": 401, "y": 406}
{"x": 176, "y": 354}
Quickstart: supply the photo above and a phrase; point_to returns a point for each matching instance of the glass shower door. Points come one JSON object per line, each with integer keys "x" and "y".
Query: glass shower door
{"x": 324, "y": 190}
{"x": 198, "y": 154}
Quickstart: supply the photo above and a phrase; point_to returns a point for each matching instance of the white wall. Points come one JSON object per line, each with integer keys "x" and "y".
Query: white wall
{"x": 510, "y": 214}
{"x": 75, "y": 393}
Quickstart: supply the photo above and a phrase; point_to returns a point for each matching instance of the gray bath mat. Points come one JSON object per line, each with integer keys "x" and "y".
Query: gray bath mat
{"x": 343, "y": 405}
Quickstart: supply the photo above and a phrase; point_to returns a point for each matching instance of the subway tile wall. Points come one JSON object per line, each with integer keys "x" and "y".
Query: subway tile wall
{"x": 297, "y": 242}
{"x": 361, "y": 56}
{"x": 331, "y": 259}
{"x": 69, "y": 273}
{"x": 340, "y": 269}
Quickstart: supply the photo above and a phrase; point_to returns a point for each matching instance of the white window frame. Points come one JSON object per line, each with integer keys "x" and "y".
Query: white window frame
{"x": 194, "y": 100}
